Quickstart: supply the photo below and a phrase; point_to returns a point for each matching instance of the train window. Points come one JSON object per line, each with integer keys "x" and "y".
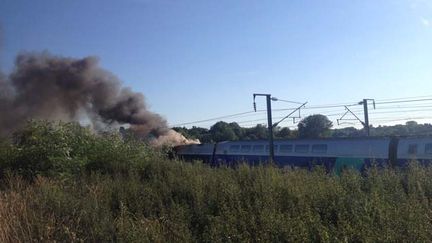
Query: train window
{"x": 245, "y": 148}
{"x": 302, "y": 148}
{"x": 285, "y": 148}
{"x": 234, "y": 148}
{"x": 275, "y": 147}
{"x": 412, "y": 149}
{"x": 319, "y": 148}
{"x": 258, "y": 148}
{"x": 428, "y": 148}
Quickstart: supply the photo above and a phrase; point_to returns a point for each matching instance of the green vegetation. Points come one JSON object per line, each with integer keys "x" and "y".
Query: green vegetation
{"x": 60, "y": 182}
{"x": 313, "y": 126}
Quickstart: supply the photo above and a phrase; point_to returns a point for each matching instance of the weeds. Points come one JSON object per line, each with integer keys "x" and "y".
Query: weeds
{"x": 95, "y": 188}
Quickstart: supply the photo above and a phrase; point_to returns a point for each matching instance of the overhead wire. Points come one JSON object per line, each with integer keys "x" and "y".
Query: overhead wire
{"x": 213, "y": 119}
{"x": 328, "y": 106}
{"x": 403, "y": 101}
{"x": 396, "y": 119}
{"x": 400, "y": 111}
{"x": 404, "y": 98}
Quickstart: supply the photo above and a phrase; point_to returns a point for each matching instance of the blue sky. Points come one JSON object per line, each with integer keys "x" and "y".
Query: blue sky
{"x": 201, "y": 59}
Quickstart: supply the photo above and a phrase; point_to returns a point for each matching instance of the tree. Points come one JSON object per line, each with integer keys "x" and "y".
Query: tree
{"x": 411, "y": 124}
{"x": 282, "y": 133}
{"x": 182, "y": 130}
{"x": 200, "y": 133}
{"x": 237, "y": 129}
{"x": 258, "y": 132}
{"x": 314, "y": 126}
{"x": 346, "y": 132}
{"x": 222, "y": 131}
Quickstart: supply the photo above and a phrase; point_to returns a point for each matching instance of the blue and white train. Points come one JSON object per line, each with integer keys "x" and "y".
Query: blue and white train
{"x": 333, "y": 153}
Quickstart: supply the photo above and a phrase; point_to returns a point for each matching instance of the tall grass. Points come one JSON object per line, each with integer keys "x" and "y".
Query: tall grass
{"x": 108, "y": 189}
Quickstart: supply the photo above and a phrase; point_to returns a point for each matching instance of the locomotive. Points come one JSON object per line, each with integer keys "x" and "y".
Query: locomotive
{"x": 332, "y": 153}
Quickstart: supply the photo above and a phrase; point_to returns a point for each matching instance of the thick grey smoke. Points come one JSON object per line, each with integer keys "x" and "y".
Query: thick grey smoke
{"x": 43, "y": 86}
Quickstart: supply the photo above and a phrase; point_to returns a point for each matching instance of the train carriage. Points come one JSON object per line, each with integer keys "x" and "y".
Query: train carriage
{"x": 414, "y": 148}
{"x": 190, "y": 152}
{"x": 333, "y": 153}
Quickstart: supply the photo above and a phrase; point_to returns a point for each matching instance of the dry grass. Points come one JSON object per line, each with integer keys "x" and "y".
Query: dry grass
{"x": 66, "y": 185}
{"x": 15, "y": 213}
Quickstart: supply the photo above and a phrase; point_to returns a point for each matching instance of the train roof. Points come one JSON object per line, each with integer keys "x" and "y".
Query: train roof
{"x": 363, "y": 138}
{"x": 335, "y": 138}
{"x": 311, "y": 139}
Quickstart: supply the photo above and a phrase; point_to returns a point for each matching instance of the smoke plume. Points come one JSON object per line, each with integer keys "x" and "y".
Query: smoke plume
{"x": 43, "y": 86}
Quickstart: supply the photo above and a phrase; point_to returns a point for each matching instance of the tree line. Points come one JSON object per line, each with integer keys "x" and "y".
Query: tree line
{"x": 314, "y": 126}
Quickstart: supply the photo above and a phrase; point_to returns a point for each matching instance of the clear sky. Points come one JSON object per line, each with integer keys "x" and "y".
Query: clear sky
{"x": 200, "y": 59}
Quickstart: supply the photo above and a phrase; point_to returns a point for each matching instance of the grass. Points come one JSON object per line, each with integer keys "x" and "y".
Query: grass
{"x": 106, "y": 189}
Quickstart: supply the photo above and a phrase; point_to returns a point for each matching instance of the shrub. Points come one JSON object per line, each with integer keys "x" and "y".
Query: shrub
{"x": 68, "y": 149}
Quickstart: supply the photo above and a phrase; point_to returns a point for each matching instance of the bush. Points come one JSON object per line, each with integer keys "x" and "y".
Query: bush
{"x": 67, "y": 149}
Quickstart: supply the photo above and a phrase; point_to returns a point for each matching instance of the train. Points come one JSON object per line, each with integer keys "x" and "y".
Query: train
{"x": 334, "y": 154}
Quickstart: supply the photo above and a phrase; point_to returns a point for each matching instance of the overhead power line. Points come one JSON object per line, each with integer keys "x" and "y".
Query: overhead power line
{"x": 403, "y": 101}
{"x": 381, "y": 105}
{"x": 401, "y": 111}
{"x": 329, "y": 106}
{"x": 395, "y": 119}
{"x": 251, "y": 112}
{"x": 404, "y": 98}
{"x": 213, "y": 119}
{"x": 426, "y": 105}
{"x": 287, "y": 101}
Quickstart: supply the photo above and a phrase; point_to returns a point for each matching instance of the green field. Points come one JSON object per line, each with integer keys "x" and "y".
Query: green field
{"x": 61, "y": 182}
